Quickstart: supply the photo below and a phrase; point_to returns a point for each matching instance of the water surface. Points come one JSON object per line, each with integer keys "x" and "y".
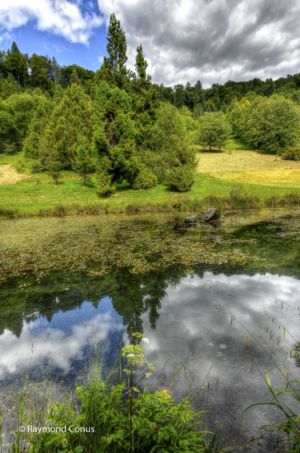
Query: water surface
{"x": 213, "y": 329}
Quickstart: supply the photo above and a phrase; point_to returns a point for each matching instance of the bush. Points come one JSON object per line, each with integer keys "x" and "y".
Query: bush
{"x": 180, "y": 179}
{"x": 104, "y": 186}
{"x": 145, "y": 180}
{"x": 291, "y": 154}
{"x": 37, "y": 167}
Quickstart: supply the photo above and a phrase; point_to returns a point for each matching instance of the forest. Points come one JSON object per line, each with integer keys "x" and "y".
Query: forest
{"x": 117, "y": 129}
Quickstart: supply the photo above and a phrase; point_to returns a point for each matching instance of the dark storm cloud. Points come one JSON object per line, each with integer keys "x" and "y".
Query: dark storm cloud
{"x": 212, "y": 40}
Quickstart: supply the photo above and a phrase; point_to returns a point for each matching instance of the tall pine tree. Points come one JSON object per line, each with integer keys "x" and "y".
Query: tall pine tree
{"x": 114, "y": 69}
{"x": 145, "y": 99}
{"x": 17, "y": 65}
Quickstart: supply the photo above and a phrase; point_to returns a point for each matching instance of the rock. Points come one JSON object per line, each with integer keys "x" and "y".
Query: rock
{"x": 211, "y": 215}
{"x": 191, "y": 220}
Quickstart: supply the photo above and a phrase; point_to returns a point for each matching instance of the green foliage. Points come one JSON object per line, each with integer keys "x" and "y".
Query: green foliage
{"x": 236, "y": 115}
{"x": 9, "y": 134}
{"x": 16, "y": 64}
{"x": 69, "y": 123}
{"x": 146, "y": 179}
{"x": 146, "y": 101}
{"x": 32, "y": 142}
{"x": 113, "y": 69}
{"x": 291, "y": 154}
{"x": 8, "y": 86}
{"x": 171, "y": 143}
{"x": 104, "y": 184}
{"x": 115, "y": 133}
{"x": 214, "y": 131}
{"x": 77, "y": 74}
{"x": 180, "y": 179}
{"x": 141, "y": 68}
{"x": 122, "y": 418}
{"x": 39, "y": 77}
{"x": 270, "y": 124}
{"x": 22, "y": 106}
{"x": 84, "y": 159}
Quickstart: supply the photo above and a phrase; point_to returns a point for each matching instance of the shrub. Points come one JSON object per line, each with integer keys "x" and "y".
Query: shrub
{"x": 180, "y": 179}
{"x": 55, "y": 175}
{"x": 104, "y": 184}
{"x": 145, "y": 180}
{"x": 291, "y": 154}
{"x": 37, "y": 167}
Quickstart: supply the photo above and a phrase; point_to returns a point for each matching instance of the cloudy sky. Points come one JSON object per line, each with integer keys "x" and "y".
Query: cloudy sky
{"x": 184, "y": 40}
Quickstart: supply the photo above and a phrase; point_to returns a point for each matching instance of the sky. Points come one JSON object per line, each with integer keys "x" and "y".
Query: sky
{"x": 184, "y": 40}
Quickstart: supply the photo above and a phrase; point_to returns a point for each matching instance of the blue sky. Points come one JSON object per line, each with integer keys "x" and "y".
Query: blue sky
{"x": 32, "y": 40}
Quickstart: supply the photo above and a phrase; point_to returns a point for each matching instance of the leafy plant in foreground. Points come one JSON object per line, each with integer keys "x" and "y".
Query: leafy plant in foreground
{"x": 121, "y": 417}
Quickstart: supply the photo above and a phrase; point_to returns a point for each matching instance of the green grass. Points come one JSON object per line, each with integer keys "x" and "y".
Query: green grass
{"x": 258, "y": 176}
{"x": 236, "y": 144}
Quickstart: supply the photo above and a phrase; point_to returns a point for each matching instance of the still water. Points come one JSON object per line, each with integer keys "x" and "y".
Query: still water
{"x": 213, "y": 332}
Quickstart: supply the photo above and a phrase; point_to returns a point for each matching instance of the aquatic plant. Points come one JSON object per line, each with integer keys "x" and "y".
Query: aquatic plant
{"x": 291, "y": 426}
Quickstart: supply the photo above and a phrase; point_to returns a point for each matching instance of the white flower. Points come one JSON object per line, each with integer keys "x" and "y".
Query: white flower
{"x": 145, "y": 340}
{"x": 148, "y": 374}
{"x": 130, "y": 356}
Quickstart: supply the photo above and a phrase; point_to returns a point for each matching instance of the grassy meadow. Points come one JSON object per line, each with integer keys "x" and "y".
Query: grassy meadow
{"x": 246, "y": 173}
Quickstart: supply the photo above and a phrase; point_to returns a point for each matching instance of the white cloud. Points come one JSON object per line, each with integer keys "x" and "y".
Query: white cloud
{"x": 61, "y": 17}
{"x": 211, "y": 40}
{"x": 52, "y": 344}
{"x": 5, "y": 36}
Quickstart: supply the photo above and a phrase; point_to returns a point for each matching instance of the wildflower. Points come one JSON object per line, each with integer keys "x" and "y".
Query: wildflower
{"x": 148, "y": 374}
{"x": 166, "y": 393}
{"x": 145, "y": 340}
{"x": 130, "y": 356}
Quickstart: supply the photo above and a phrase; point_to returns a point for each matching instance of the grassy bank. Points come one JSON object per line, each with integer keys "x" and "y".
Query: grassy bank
{"x": 236, "y": 179}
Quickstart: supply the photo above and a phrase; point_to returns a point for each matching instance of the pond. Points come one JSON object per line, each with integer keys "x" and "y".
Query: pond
{"x": 214, "y": 328}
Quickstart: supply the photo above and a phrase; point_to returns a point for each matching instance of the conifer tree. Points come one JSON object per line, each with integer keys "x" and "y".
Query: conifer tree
{"x": 146, "y": 100}
{"x": 141, "y": 65}
{"x": 17, "y": 65}
{"x": 114, "y": 68}
{"x": 84, "y": 160}
{"x": 70, "y": 120}
{"x": 115, "y": 134}
{"x": 39, "y": 66}
{"x": 31, "y": 145}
